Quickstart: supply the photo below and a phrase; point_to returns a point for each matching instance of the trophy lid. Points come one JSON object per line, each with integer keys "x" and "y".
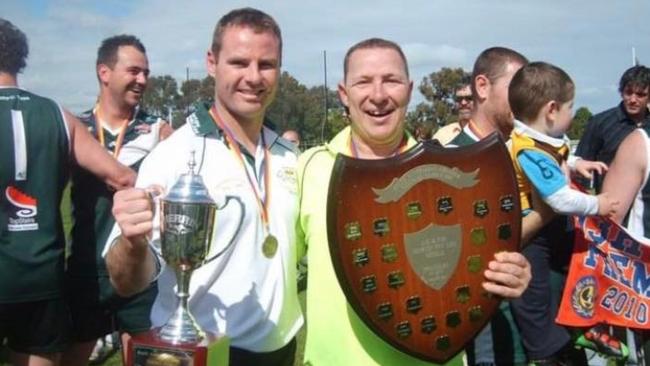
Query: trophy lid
{"x": 189, "y": 188}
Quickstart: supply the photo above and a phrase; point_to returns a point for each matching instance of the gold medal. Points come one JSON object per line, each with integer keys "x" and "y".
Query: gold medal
{"x": 270, "y": 246}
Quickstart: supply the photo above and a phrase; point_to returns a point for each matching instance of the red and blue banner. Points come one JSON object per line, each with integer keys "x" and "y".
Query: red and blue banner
{"x": 609, "y": 277}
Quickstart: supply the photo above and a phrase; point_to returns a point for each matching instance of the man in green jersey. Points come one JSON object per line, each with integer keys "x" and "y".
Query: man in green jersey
{"x": 38, "y": 139}
{"x": 523, "y": 331}
{"x": 129, "y": 133}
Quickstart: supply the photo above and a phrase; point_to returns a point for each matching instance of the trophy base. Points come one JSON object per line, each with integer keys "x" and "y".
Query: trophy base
{"x": 147, "y": 349}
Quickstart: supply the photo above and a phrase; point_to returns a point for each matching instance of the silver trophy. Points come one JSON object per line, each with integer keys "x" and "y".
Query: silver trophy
{"x": 186, "y": 224}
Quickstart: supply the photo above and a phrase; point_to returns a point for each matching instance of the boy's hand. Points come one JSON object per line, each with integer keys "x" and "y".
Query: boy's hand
{"x": 607, "y": 206}
{"x": 586, "y": 168}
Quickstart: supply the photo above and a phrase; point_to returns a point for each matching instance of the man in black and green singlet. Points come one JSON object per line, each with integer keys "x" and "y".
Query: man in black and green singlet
{"x": 129, "y": 133}
{"x": 38, "y": 139}
{"x": 499, "y": 343}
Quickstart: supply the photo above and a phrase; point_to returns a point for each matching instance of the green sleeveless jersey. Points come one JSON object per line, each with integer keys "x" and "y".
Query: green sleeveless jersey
{"x": 462, "y": 139}
{"x": 92, "y": 201}
{"x": 500, "y": 341}
{"x": 34, "y": 154}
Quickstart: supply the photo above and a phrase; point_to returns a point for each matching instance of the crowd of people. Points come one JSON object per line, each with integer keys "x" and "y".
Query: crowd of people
{"x": 116, "y": 280}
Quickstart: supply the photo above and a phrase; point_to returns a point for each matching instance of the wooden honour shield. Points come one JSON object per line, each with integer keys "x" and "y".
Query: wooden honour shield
{"x": 410, "y": 237}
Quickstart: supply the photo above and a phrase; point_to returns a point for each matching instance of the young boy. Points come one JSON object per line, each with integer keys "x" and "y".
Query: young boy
{"x": 541, "y": 98}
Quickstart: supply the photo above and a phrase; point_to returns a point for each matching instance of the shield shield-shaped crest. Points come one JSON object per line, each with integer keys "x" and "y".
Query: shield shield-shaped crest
{"x": 411, "y": 235}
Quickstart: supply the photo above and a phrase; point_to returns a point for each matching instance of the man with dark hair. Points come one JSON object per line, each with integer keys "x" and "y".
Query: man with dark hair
{"x": 129, "y": 134}
{"x": 606, "y": 130}
{"x": 464, "y": 104}
{"x": 627, "y": 180}
{"x": 14, "y": 51}
{"x": 250, "y": 292}
{"x": 376, "y": 89}
{"x": 491, "y": 76}
{"x": 257, "y": 21}
{"x": 37, "y": 140}
{"x": 619, "y": 136}
{"x": 499, "y": 342}
{"x": 108, "y": 52}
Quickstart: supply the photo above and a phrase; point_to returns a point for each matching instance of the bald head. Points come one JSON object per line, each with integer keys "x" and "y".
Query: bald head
{"x": 292, "y": 136}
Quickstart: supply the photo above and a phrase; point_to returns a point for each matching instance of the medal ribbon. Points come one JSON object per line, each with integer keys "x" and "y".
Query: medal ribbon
{"x": 398, "y": 150}
{"x": 262, "y": 202}
{"x": 100, "y": 132}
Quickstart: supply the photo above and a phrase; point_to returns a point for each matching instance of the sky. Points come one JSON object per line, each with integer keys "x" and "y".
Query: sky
{"x": 593, "y": 40}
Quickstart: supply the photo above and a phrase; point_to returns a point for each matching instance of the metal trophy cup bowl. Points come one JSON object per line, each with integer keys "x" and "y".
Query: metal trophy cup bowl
{"x": 186, "y": 223}
{"x": 187, "y": 216}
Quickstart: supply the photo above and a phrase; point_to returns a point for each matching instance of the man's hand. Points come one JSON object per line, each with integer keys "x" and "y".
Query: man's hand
{"x": 125, "y": 179}
{"x": 133, "y": 212}
{"x": 130, "y": 262}
{"x": 507, "y": 275}
{"x": 586, "y": 168}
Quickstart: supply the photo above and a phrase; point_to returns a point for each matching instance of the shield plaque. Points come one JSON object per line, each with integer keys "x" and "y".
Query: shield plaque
{"x": 411, "y": 235}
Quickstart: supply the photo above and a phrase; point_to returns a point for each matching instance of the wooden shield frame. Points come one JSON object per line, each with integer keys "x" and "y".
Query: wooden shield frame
{"x": 411, "y": 235}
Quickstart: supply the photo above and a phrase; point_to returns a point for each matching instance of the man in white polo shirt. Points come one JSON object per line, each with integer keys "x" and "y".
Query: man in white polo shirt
{"x": 249, "y": 292}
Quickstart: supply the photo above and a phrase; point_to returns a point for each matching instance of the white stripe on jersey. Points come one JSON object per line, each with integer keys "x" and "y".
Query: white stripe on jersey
{"x": 635, "y": 222}
{"x": 20, "y": 145}
{"x": 136, "y": 149}
{"x": 65, "y": 125}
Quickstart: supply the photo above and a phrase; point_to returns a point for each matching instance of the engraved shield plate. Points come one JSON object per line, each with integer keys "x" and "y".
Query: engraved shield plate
{"x": 433, "y": 253}
{"x": 410, "y": 237}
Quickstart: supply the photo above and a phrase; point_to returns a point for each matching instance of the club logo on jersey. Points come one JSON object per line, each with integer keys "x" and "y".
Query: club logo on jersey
{"x": 143, "y": 129}
{"x": 193, "y": 121}
{"x": 287, "y": 176}
{"x": 23, "y": 217}
{"x": 583, "y": 297}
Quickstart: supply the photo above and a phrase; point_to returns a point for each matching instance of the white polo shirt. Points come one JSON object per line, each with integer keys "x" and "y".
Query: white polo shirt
{"x": 251, "y": 298}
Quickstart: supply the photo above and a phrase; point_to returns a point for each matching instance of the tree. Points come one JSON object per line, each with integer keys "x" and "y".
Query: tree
{"x": 190, "y": 93}
{"x": 300, "y": 108}
{"x": 318, "y": 129}
{"x": 578, "y": 123}
{"x": 421, "y": 118}
{"x": 295, "y": 106}
{"x": 438, "y": 88}
{"x": 161, "y": 95}
{"x": 206, "y": 90}
{"x": 288, "y": 110}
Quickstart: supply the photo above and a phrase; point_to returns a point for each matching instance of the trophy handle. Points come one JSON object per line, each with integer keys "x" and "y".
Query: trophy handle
{"x": 241, "y": 221}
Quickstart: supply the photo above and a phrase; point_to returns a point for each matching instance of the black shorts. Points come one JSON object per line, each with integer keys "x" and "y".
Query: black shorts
{"x": 37, "y": 327}
{"x": 97, "y": 309}
{"x": 284, "y": 356}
